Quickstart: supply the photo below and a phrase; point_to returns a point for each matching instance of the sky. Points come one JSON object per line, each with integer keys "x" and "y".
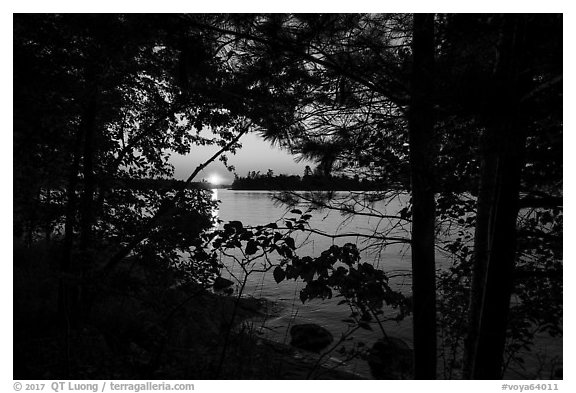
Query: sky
{"x": 255, "y": 155}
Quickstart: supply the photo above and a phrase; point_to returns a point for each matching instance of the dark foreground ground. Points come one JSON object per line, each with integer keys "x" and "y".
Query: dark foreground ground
{"x": 130, "y": 325}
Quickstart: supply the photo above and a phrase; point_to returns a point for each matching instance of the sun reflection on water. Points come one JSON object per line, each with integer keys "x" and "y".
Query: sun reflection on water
{"x": 216, "y": 209}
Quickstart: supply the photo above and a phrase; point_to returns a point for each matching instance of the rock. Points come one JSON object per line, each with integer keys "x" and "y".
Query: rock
{"x": 310, "y": 336}
{"x": 391, "y": 358}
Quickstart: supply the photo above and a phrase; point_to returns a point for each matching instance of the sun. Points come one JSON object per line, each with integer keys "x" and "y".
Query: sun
{"x": 214, "y": 179}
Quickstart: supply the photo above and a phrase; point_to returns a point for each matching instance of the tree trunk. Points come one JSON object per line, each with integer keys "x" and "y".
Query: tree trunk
{"x": 498, "y": 207}
{"x": 86, "y": 203}
{"x": 480, "y": 262}
{"x": 499, "y": 273}
{"x": 422, "y": 159}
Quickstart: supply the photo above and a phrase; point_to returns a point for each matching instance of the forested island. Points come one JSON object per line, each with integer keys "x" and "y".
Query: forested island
{"x": 444, "y": 130}
{"x": 308, "y": 182}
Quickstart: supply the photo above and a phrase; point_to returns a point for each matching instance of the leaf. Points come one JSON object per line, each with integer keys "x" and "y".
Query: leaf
{"x": 365, "y": 325}
{"x": 303, "y": 296}
{"x": 246, "y": 235}
{"x": 279, "y": 274}
{"x": 290, "y": 243}
{"x": 296, "y": 211}
{"x": 221, "y": 283}
{"x": 251, "y": 247}
{"x": 236, "y": 225}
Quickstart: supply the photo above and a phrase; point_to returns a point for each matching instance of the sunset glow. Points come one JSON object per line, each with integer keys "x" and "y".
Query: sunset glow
{"x": 214, "y": 179}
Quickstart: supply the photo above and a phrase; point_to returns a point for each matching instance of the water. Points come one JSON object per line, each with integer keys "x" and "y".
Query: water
{"x": 259, "y": 208}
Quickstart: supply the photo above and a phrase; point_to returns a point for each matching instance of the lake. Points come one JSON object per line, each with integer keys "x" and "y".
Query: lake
{"x": 259, "y": 208}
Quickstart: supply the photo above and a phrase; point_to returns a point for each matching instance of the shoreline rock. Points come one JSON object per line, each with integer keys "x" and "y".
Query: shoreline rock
{"x": 310, "y": 336}
{"x": 391, "y": 358}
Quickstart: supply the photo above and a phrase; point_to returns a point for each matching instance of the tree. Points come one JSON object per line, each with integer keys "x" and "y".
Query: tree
{"x": 124, "y": 105}
{"x": 499, "y": 202}
{"x": 422, "y": 174}
{"x": 488, "y": 104}
{"x": 101, "y": 99}
{"x": 100, "y": 102}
